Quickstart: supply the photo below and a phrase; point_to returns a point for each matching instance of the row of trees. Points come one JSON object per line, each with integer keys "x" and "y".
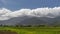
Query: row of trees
{"x": 23, "y": 25}
{"x": 30, "y": 25}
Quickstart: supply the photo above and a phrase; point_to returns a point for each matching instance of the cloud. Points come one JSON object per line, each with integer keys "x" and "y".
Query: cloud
{"x": 6, "y": 14}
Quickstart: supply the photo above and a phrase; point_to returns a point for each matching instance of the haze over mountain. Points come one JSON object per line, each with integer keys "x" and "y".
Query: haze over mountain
{"x": 30, "y": 16}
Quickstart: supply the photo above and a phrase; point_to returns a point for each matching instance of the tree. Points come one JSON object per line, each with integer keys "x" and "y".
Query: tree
{"x": 1, "y": 25}
{"x": 17, "y": 25}
{"x": 41, "y": 25}
{"x": 29, "y": 26}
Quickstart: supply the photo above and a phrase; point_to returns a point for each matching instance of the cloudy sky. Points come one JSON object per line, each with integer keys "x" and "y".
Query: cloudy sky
{"x": 39, "y": 8}
{"x": 18, "y": 4}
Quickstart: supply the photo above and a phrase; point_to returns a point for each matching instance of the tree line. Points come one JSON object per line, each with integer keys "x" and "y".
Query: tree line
{"x": 22, "y": 25}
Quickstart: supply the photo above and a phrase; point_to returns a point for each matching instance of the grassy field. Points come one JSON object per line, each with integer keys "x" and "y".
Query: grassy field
{"x": 33, "y": 30}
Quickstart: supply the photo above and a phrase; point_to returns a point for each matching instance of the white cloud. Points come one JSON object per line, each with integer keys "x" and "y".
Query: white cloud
{"x": 39, "y": 12}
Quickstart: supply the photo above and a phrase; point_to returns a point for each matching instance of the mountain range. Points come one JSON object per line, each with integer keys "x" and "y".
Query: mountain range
{"x": 27, "y": 20}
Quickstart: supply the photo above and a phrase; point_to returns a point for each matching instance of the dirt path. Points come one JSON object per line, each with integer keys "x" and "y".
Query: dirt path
{"x": 7, "y": 32}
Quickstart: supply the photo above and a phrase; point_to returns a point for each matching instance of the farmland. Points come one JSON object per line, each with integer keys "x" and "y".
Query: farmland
{"x": 32, "y": 30}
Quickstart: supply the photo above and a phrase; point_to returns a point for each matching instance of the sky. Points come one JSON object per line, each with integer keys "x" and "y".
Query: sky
{"x": 28, "y": 8}
{"x": 30, "y": 4}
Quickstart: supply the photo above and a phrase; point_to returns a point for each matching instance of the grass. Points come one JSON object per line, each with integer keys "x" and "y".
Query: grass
{"x": 33, "y": 30}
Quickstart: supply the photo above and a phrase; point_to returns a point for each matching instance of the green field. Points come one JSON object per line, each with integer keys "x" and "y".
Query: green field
{"x": 33, "y": 30}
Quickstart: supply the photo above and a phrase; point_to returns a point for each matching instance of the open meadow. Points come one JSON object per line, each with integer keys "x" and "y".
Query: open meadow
{"x": 32, "y": 30}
